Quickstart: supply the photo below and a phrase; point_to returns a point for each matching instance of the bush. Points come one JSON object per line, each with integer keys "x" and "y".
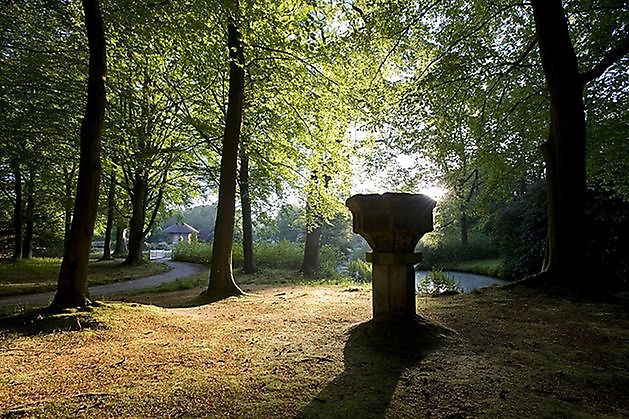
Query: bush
{"x": 330, "y": 259}
{"x": 193, "y": 252}
{"x": 607, "y": 235}
{"x": 439, "y": 249}
{"x": 283, "y": 255}
{"x": 359, "y": 270}
{"x": 437, "y": 282}
{"x": 520, "y": 230}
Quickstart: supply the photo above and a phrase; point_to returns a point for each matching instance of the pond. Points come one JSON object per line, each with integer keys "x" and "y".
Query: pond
{"x": 467, "y": 282}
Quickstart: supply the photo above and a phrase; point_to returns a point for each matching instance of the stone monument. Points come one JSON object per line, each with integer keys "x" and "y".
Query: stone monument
{"x": 392, "y": 224}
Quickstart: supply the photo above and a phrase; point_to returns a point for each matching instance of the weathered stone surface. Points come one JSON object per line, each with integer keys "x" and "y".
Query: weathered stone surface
{"x": 392, "y": 224}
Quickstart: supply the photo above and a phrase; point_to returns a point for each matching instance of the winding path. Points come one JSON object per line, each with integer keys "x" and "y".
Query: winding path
{"x": 177, "y": 270}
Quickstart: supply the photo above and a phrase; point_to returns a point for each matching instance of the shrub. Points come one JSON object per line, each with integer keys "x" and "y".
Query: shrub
{"x": 283, "y": 255}
{"x": 439, "y": 249}
{"x": 193, "y": 252}
{"x": 359, "y": 270}
{"x": 437, "y": 282}
{"x": 520, "y": 230}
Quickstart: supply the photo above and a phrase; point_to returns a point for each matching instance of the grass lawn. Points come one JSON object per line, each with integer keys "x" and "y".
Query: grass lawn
{"x": 40, "y": 274}
{"x": 304, "y": 351}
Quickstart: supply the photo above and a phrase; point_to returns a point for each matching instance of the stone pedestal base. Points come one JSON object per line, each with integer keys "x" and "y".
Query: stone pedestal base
{"x": 393, "y": 285}
{"x": 392, "y": 224}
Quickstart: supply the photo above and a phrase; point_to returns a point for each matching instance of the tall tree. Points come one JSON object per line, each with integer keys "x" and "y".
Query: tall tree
{"x": 565, "y": 149}
{"x": 72, "y": 284}
{"x": 221, "y": 275}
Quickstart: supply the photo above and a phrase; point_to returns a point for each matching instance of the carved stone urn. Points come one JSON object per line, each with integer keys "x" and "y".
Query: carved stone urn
{"x": 392, "y": 224}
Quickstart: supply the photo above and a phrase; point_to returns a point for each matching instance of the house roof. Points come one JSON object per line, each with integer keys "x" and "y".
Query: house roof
{"x": 180, "y": 229}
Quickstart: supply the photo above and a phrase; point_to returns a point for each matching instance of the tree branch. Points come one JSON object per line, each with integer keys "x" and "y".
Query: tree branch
{"x": 607, "y": 61}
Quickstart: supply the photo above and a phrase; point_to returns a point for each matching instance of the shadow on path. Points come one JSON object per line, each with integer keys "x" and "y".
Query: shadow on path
{"x": 375, "y": 357}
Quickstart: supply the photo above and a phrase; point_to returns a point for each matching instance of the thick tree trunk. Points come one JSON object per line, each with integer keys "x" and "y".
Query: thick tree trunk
{"x": 121, "y": 245}
{"x": 72, "y": 285}
{"x": 27, "y": 246}
{"x": 565, "y": 149}
{"x": 247, "y": 225}
{"x": 136, "y": 225}
{"x": 111, "y": 197}
{"x": 17, "y": 213}
{"x": 221, "y": 275}
{"x": 310, "y": 264}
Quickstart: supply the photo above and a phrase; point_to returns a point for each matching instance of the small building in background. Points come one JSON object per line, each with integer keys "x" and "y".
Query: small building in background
{"x": 181, "y": 233}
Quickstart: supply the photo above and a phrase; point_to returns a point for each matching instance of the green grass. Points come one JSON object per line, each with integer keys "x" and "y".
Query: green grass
{"x": 261, "y": 277}
{"x": 40, "y": 274}
{"x": 488, "y": 267}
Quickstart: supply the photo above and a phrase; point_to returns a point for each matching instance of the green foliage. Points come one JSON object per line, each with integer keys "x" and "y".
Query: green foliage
{"x": 283, "y": 255}
{"x": 359, "y": 270}
{"x": 487, "y": 267}
{"x": 441, "y": 249}
{"x": 437, "y": 282}
{"x": 195, "y": 253}
{"x": 33, "y": 269}
{"x": 607, "y": 235}
{"x": 40, "y": 274}
{"x": 520, "y": 231}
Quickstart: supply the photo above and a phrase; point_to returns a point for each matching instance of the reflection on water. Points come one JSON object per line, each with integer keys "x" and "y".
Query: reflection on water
{"x": 466, "y": 282}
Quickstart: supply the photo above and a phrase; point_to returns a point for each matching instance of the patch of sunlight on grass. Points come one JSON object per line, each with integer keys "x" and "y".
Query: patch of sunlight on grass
{"x": 40, "y": 274}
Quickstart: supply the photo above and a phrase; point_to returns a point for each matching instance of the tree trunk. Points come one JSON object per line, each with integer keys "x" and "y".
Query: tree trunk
{"x": 310, "y": 265}
{"x": 72, "y": 285}
{"x": 17, "y": 214}
{"x": 111, "y": 196}
{"x": 121, "y": 246}
{"x": 566, "y": 145}
{"x": 247, "y": 226}
{"x": 221, "y": 275}
{"x": 68, "y": 203}
{"x": 136, "y": 225}
{"x": 464, "y": 231}
{"x": 27, "y": 245}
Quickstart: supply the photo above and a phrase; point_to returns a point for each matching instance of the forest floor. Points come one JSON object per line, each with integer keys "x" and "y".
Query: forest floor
{"x": 296, "y": 351}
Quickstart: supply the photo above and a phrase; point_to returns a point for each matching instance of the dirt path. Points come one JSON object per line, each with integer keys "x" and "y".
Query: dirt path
{"x": 177, "y": 270}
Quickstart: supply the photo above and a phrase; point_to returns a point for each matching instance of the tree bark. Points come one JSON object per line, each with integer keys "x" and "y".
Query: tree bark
{"x": 68, "y": 202}
{"x": 247, "y": 224}
{"x": 310, "y": 264}
{"x": 111, "y": 199}
{"x": 27, "y": 245}
{"x": 17, "y": 213}
{"x": 221, "y": 276}
{"x": 121, "y": 246}
{"x": 136, "y": 225}
{"x": 72, "y": 284}
{"x": 565, "y": 153}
